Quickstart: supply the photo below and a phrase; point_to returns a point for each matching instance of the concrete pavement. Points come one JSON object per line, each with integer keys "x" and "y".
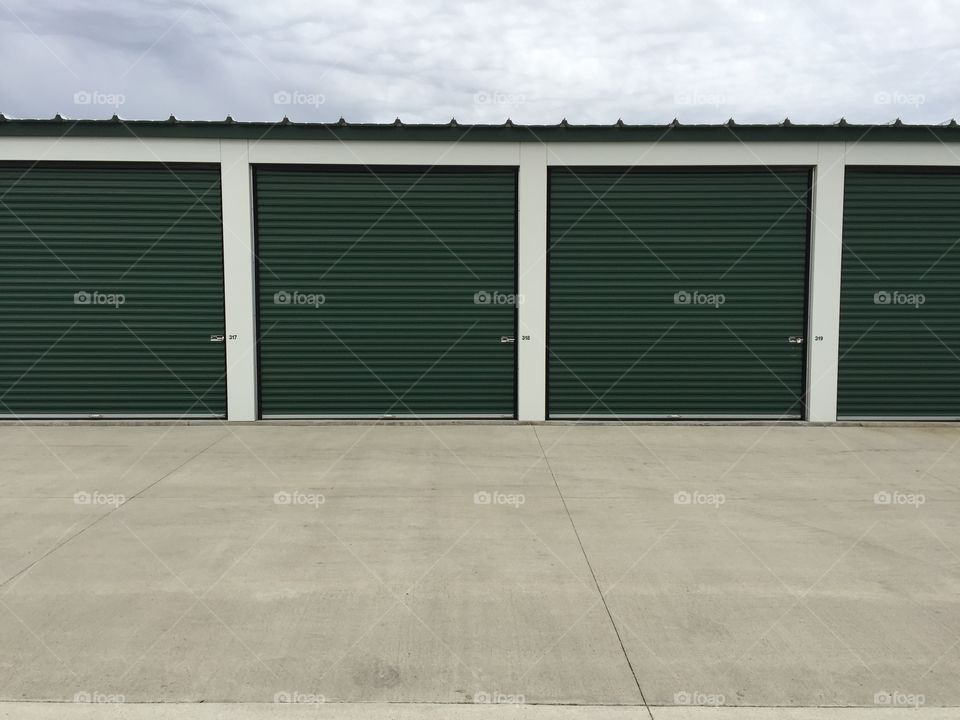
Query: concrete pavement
{"x": 747, "y": 567}
{"x": 425, "y": 711}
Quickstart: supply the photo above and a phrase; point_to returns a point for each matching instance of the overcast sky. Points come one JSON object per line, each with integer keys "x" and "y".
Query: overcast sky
{"x": 535, "y": 62}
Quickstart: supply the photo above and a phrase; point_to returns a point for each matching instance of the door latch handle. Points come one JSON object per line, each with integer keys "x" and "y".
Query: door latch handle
{"x": 507, "y": 339}
{"x": 216, "y": 338}
{"x": 795, "y": 340}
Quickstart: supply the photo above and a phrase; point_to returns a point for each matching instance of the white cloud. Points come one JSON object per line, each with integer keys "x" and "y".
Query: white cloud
{"x": 426, "y": 61}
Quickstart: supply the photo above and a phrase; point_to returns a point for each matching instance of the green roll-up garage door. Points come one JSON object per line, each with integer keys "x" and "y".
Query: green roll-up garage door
{"x": 386, "y": 292}
{"x": 111, "y": 285}
{"x": 677, "y": 293}
{"x": 900, "y": 295}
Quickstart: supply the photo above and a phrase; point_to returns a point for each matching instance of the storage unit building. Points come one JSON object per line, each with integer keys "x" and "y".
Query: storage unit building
{"x": 248, "y": 271}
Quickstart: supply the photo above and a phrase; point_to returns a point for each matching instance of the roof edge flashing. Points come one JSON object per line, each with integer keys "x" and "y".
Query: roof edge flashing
{"x": 341, "y": 130}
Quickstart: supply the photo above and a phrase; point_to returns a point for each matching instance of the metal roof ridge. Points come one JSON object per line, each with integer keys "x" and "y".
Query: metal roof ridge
{"x": 508, "y": 123}
{"x": 508, "y": 131}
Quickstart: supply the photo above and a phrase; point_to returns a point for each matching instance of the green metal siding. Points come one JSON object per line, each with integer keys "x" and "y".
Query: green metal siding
{"x": 900, "y": 298}
{"x": 625, "y": 246}
{"x": 394, "y": 260}
{"x": 152, "y": 235}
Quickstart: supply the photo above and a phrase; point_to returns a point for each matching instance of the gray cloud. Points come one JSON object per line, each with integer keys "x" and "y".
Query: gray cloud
{"x": 701, "y": 61}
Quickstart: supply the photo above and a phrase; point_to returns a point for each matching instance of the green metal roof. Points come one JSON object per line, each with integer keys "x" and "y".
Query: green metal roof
{"x": 454, "y": 131}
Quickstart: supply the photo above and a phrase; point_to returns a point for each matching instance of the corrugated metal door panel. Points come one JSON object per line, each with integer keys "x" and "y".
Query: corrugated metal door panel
{"x": 674, "y": 292}
{"x": 367, "y": 292}
{"x": 900, "y": 297}
{"x": 74, "y": 242}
